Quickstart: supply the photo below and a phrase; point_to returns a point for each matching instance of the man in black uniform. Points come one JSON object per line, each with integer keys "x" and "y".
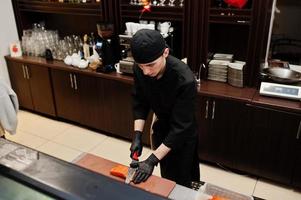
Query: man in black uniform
{"x": 167, "y": 86}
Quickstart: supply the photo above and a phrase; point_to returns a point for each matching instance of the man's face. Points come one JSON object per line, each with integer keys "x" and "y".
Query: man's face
{"x": 156, "y": 67}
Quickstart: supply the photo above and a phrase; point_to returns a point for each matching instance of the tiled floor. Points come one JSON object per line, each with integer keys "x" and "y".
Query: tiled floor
{"x": 67, "y": 142}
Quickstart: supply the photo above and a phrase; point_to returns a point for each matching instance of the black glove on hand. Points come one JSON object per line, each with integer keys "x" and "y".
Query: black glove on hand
{"x": 136, "y": 144}
{"x": 145, "y": 168}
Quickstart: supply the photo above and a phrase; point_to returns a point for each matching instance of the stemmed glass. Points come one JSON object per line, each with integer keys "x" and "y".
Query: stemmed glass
{"x": 162, "y": 3}
{"x": 181, "y": 3}
{"x": 171, "y": 3}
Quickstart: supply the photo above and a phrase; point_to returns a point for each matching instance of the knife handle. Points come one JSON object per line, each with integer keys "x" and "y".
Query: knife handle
{"x": 135, "y": 156}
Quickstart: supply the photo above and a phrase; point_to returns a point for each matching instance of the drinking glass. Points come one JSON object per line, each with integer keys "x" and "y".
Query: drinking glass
{"x": 181, "y": 3}
{"x": 162, "y": 3}
{"x": 171, "y": 3}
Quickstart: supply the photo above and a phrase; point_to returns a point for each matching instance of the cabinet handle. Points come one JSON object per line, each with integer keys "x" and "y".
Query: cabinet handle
{"x": 23, "y": 69}
{"x": 71, "y": 80}
{"x": 27, "y": 73}
{"x": 241, "y": 21}
{"x": 75, "y": 82}
{"x": 213, "y": 109}
{"x": 299, "y": 130}
{"x": 207, "y": 105}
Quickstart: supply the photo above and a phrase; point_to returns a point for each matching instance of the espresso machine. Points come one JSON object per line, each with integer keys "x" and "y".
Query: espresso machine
{"x": 127, "y": 62}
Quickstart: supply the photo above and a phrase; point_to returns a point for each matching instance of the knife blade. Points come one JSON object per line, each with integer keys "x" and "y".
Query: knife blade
{"x": 132, "y": 171}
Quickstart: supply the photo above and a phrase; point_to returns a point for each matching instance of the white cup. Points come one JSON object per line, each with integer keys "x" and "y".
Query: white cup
{"x": 135, "y": 28}
{"x": 143, "y": 21}
{"x": 164, "y": 27}
{"x": 129, "y": 27}
{"x": 150, "y": 26}
{"x": 117, "y": 67}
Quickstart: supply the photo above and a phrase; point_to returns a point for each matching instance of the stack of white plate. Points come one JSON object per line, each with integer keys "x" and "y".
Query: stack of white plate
{"x": 235, "y": 73}
{"x": 223, "y": 56}
{"x": 218, "y": 70}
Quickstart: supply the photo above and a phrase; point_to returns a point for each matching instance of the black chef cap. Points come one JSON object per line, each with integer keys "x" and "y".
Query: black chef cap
{"x": 147, "y": 45}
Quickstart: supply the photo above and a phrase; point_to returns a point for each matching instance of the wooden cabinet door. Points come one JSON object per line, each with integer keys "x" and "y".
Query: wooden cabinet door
{"x": 203, "y": 128}
{"x": 88, "y": 92}
{"x": 296, "y": 178}
{"x": 272, "y": 143}
{"x": 221, "y": 126}
{"x": 117, "y": 108}
{"x": 20, "y": 83}
{"x": 41, "y": 89}
{"x": 228, "y": 119}
{"x": 66, "y": 96}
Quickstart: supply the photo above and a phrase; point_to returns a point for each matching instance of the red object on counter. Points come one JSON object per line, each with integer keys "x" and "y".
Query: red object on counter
{"x": 119, "y": 171}
{"x": 215, "y": 197}
{"x": 236, "y": 3}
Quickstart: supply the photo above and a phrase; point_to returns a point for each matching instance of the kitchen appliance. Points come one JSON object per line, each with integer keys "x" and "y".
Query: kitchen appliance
{"x": 280, "y": 90}
{"x": 127, "y": 62}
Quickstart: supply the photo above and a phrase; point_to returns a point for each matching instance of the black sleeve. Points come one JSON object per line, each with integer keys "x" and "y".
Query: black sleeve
{"x": 182, "y": 121}
{"x": 140, "y": 103}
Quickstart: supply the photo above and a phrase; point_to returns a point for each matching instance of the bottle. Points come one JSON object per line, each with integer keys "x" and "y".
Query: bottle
{"x": 91, "y": 44}
{"x": 86, "y": 47}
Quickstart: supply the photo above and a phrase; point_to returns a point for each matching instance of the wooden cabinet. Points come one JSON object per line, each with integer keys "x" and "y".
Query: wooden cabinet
{"x": 218, "y": 28}
{"x": 296, "y": 177}
{"x": 20, "y": 83}
{"x": 59, "y": 16}
{"x": 272, "y": 140}
{"x": 100, "y": 103}
{"x": 32, "y": 86}
{"x": 255, "y": 139}
{"x": 158, "y": 14}
{"x": 221, "y": 124}
{"x": 76, "y": 97}
{"x": 116, "y": 107}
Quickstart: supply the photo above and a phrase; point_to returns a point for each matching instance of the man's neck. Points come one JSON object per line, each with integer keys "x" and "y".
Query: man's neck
{"x": 162, "y": 70}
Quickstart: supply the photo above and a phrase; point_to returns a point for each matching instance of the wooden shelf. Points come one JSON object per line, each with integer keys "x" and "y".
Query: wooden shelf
{"x": 157, "y": 12}
{"x": 92, "y": 9}
{"x": 230, "y": 16}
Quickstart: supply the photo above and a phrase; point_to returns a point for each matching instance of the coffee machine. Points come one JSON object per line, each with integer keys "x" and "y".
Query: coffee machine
{"x": 127, "y": 62}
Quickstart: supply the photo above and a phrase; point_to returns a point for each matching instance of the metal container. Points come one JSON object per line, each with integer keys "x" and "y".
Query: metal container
{"x": 281, "y": 75}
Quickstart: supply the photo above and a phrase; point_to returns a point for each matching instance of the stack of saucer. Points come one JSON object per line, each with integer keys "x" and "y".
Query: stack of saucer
{"x": 235, "y": 74}
{"x": 223, "y": 56}
{"x": 217, "y": 70}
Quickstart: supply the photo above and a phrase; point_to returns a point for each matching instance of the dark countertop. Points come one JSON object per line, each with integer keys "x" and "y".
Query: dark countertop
{"x": 223, "y": 90}
{"x": 207, "y": 88}
{"x": 61, "y": 179}
{"x": 56, "y": 64}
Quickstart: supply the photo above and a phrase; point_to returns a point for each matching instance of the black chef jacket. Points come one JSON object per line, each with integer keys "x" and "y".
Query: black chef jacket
{"x": 172, "y": 98}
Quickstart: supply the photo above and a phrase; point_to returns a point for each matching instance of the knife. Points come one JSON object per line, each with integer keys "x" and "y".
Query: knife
{"x": 132, "y": 171}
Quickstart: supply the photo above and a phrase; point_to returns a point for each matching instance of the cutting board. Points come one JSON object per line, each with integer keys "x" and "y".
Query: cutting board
{"x": 154, "y": 184}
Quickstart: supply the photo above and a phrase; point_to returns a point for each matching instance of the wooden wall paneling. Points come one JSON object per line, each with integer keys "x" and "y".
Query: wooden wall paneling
{"x": 112, "y": 13}
{"x": 17, "y": 17}
{"x": 260, "y": 27}
{"x": 194, "y": 29}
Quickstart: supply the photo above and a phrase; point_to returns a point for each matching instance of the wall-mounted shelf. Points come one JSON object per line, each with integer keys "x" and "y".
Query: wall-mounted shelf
{"x": 93, "y": 9}
{"x": 157, "y": 12}
{"x": 230, "y": 16}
